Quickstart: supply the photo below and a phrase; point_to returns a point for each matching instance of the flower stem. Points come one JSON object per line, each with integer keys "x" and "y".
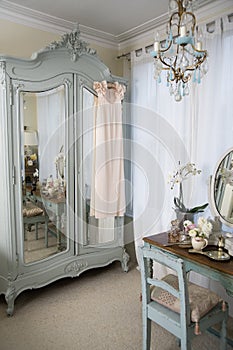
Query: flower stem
{"x": 181, "y": 196}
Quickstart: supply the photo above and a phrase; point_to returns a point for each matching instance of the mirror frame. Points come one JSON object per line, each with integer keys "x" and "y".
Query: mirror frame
{"x": 34, "y": 87}
{"x": 212, "y": 200}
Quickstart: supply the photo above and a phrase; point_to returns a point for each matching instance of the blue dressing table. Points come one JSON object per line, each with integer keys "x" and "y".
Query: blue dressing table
{"x": 217, "y": 270}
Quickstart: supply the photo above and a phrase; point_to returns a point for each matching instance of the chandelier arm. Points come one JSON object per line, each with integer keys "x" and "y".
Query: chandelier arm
{"x": 177, "y": 53}
{"x": 202, "y": 52}
{"x": 198, "y": 64}
{"x": 194, "y": 21}
{"x": 202, "y": 58}
{"x": 173, "y": 15}
{"x": 191, "y": 68}
{"x": 166, "y": 64}
{"x": 167, "y": 48}
{"x": 186, "y": 78}
{"x": 174, "y": 24}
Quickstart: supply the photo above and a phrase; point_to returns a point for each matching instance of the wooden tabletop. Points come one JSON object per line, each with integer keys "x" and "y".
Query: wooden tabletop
{"x": 57, "y": 199}
{"x": 161, "y": 240}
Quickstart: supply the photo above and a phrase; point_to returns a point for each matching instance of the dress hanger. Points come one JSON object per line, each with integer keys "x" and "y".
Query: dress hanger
{"x": 111, "y": 85}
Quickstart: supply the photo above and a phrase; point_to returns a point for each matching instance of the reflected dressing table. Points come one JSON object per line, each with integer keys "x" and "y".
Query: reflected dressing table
{"x": 52, "y": 205}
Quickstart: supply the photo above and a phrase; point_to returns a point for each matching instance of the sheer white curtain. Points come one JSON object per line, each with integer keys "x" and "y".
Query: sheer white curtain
{"x": 87, "y": 120}
{"x": 214, "y": 128}
{"x": 51, "y": 118}
{"x": 197, "y": 129}
{"x": 160, "y": 140}
{"x": 214, "y": 116}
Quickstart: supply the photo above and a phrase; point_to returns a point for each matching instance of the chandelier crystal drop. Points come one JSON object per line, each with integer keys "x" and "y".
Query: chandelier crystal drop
{"x": 182, "y": 55}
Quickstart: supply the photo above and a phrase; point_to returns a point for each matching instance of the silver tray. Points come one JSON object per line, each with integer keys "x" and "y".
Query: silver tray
{"x": 212, "y": 254}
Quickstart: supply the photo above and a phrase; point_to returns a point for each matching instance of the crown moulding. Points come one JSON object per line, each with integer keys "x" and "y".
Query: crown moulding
{"x": 22, "y": 15}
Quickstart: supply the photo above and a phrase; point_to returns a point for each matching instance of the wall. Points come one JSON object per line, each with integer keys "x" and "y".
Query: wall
{"x": 21, "y": 41}
{"x": 30, "y": 111}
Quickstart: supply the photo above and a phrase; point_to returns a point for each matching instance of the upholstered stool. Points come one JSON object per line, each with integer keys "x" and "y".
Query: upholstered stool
{"x": 34, "y": 215}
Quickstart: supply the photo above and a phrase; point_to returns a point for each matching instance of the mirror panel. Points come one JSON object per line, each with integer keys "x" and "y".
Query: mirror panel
{"x": 97, "y": 232}
{"x": 44, "y": 173}
{"x": 222, "y": 189}
{"x": 87, "y": 120}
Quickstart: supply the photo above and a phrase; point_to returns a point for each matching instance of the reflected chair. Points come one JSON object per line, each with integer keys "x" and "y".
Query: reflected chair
{"x": 34, "y": 215}
{"x": 183, "y": 308}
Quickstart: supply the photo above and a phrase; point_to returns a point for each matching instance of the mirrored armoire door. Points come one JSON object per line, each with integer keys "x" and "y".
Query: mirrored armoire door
{"x": 46, "y": 163}
{"x": 96, "y": 233}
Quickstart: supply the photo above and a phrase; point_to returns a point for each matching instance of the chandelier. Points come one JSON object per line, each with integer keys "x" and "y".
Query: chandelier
{"x": 182, "y": 55}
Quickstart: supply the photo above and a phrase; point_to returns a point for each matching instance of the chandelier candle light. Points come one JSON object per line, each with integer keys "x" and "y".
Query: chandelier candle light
{"x": 182, "y": 55}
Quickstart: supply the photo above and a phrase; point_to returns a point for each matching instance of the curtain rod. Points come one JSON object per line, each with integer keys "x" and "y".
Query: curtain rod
{"x": 149, "y": 47}
{"x": 128, "y": 54}
{"x": 124, "y": 55}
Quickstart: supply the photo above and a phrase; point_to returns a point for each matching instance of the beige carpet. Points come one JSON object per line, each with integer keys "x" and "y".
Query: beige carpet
{"x": 100, "y": 310}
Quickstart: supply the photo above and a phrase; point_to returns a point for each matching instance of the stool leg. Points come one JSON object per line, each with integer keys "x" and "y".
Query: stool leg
{"x": 36, "y": 230}
{"x": 25, "y": 232}
{"x": 223, "y": 336}
{"x": 46, "y": 233}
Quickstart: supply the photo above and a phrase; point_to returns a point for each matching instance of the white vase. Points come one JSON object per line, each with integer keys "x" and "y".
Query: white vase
{"x": 199, "y": 243}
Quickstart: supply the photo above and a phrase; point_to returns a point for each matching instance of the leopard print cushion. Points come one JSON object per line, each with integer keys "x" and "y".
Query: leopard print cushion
{"x": 30, "y": 210}
{"x": 201, "y": 299}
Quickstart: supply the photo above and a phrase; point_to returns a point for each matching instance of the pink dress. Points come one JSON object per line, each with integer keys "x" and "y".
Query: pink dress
{"x": 108, "y": 185}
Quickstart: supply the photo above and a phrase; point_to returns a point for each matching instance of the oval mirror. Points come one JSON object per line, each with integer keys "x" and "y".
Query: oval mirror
{"x": 221, "y": 189}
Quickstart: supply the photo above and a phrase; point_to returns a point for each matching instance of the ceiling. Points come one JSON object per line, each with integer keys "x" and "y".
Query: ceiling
{"x": 109, "y": 16}
{"x": 116, "y": 20}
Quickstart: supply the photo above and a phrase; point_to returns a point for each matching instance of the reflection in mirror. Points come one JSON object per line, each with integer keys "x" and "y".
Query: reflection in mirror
{"x": 44, "y": 173}
{"x": 88, "y": 103}
{"x": 60, "y": 163}
{"x": 222, "y": 188}
{"x": 99, "y": 231}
